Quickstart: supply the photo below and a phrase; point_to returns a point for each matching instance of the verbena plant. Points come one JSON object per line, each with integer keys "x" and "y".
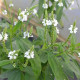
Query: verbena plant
{"x": 42, "y": 58}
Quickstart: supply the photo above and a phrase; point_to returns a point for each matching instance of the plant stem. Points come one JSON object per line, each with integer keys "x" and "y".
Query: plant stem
{"x": 52, "y": 30}
{"x": 67, "y": 39}
{"x": 4, "y": 46}
{"x": 11, "y": 32}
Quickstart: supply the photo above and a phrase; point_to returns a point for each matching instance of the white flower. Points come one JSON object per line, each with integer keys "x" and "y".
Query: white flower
{"x": 15, "y": 22}
{"x": 11, "y": 5}
{"x": 5, "y": 37}
{"x": 73, "y": 30}
{"x": 50, "y": 3}
{"x": 57, "y": 30}
{"x": 72, "y": 2}
{"x": 1, "y": 37}
{"x": 34, "y": 11}
{"x": 4, "y": 12}
{"x": 55, "y": 8}
{"x": 70, "y": 8}
{"x": 60, "y": 4}
{"x": 45, "y": 6}
{"x": 27, "y": 34}
{"x": 23, "y": 16}
{"x": 55, "y": 22}
{"x": 29, "y": 54}
{"x": 12, "y": 55}
{"x": 56, "y": 0}
{"x": 46, "y": 22}
{"x": 79, "y": 54}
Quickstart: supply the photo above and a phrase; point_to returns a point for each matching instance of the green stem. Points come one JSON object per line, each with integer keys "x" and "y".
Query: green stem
{"x": 4, "y": 46}
{"x": 67, "y": 39}
{"x": 52, "y": 30}
{"x": 11, "y": 32}
{"x": 45, "y": 32}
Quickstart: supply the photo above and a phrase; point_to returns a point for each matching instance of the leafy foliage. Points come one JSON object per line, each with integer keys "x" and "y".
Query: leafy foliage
{"x": 51, "y": 59}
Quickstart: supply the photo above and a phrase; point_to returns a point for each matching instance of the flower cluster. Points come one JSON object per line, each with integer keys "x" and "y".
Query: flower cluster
{"x": 78, "y": 54}
{"x": 60, "y": 4}
{"x": 71, "y": 3}
{"x": 73, "y": 29}
{"x": 45, "y": 6}
{"x": 49, "y": 22}
{"x": 57, "y": 30}
{"x": 46, "y": 22}
{"x": 3, "y": 37}
{"x": 27, "y": 34}
{"x": 29, "y": 54}
{"x": 23, "y": 16}
{"x": 4, "y": 12}
{"x": 11, "y": 5}
{"x": 12, "y": 55}
{"x": 34, "y": 11}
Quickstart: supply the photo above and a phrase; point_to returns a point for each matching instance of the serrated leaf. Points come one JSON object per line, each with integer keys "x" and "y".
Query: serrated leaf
{"x": 40, "y": 32}
{"x": 40, "y": 9}
{"x": 5, "y": 62}
{"x": 56, "y": 67}
{"x": 36, "y": 66}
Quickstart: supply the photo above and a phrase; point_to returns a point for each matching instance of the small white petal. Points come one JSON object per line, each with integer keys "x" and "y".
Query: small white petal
{"x": 34, "y": 11}
{"x": 11, "y": 5}
{"x": 4, "y": 12}
{"x": 56, "y": 0}
{"x": 60, "y": 4}
{"x": 1, "y": 37}
{"x": 45, "y": 6}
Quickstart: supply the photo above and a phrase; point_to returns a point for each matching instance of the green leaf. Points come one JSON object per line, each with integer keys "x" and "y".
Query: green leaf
{"x": 40, "y": 9}
{"x": 49, "y": 74}
{"x": 56, "y": 67}
{"x": 12, "y": 75}
{"x": 43, "y": 56}
{"x": 29, "y": 74}
{"x": 8, "y": 66}
{"x": 36, "y": 66}
{"x": 40, "y": 32}
{"x": 59, "y": 12}
{"x": 17, "y": 27}
{"x": 22, "y": 44}
{"x": 5, "y": 62}
{"x": 72, "y": 65}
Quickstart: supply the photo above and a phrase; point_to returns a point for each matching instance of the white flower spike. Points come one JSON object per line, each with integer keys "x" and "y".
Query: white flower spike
{"x": 55, "y": 22}
{"x": 4, "y": 12}
{"x": 78, "y": 54}
{"x": 34, "y": 11}
{"x": 23, "y": 16}
{"x": 3, "y": 37}
{"x": 60, "y": 4}
{"x": 72, "y": 2}
{"x": 46, "y": 22}
{"x": 56, "y": 0}
{"x": 12, "y": 55}
{"x": 27, "y": 34}
{"x": 11, "y": 5}
{"x": 73, "y": 31}
{"x": 45, "y": 6}
{"x": 57, "y": 30}
{"x": 29, "y": 54}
